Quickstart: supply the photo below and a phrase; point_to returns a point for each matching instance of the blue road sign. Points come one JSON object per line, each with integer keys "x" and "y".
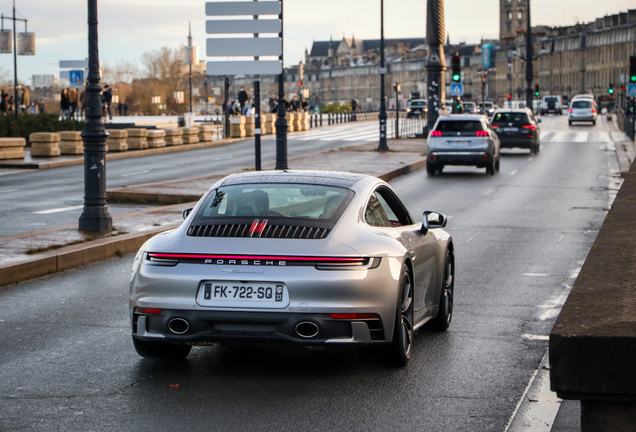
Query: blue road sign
{"x": 631, "y": 90}
{"x": 76, "y": 76}
{"x": 457, "y": 89}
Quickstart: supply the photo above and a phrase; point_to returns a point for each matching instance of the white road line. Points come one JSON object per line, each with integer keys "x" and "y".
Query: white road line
{"x": 343, "y": 135}
{"x": 489, "y": 192}
{"x": 473, "y": 237}
{"x": 535, "y": 274}
{"x": 375, "y": 135}
{"x": 339, "y": 131}
{"x": 58, "y": 210}
{"x": 9, "y": 190}
{"x": 581, "y": 137}
{"x": 224, "y": 158}
{"x": 560, "y": 137}
{"x": 604, "y": 137}
{"x": 544, "y": 133}
{"x": 514, "y": 172}
{"x": 135, "y": 173}
{"x": 535, "y": 337}
{"x": 560, "y": 238}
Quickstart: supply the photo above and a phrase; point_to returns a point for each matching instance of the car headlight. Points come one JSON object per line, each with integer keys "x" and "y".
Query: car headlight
{"x": 408, "y": 110}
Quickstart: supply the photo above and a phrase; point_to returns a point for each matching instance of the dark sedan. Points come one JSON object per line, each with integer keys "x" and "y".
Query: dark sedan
{"x": 517, "y": 128}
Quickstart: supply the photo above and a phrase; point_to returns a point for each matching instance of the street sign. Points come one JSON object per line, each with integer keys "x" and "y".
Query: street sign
{"x": 74, "y": 64}
{"x": 242, "y": 8}
{"x": 383, "y": 71}
{"x": 247, "y": 67}
{"x": 76, "y": 77}
{"x": 631, "y": 90}
{"x": 457, "y": 89}
{"x": 230, "y": 47}
{"x": 242, "y": 26}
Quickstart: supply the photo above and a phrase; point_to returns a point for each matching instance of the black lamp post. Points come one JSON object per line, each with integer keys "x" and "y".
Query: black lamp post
{"x": 529, "y": 57}
{"x": 436, "y": 63}
{"x": 95, "y": 216}
{"x": 281, "y": 120}
{"x": 382, "y": 116}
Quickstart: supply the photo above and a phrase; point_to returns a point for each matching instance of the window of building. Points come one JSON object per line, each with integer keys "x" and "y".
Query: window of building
{"x": 509, "y": 15}
{"x": 520, "y": 15}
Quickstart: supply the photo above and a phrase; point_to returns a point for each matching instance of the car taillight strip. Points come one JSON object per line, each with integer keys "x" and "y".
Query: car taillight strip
{"x": 531, "y": 127}
{"x": 289, "y": 259}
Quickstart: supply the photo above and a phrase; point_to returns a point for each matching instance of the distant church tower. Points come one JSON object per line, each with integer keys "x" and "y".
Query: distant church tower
{"x": 512, "y": 17}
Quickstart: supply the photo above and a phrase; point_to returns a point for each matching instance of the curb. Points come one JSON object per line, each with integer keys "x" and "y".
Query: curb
{"x": 76, "y": 256}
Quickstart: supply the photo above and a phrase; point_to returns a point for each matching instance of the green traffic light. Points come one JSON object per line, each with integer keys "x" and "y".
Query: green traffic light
{"x": 610, "y": 91}
{"x": 633, "y": 78}
{"x": 536, "y": 93}
{"x": 456, "y": 77}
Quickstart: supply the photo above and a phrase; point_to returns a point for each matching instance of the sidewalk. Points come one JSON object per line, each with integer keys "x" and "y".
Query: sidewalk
{"x": 625, "y": 148}
{"x": 38, "y": 253}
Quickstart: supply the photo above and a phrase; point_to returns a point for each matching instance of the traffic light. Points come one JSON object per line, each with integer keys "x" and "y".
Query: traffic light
{"x": 457, "y": 68}
{"x": 610, "y": 90}
{"x": 300, "y": 83}
{"x": 632, "y": 69}
{"x": 509, "y": 96}
{"x": 536, "y": 90}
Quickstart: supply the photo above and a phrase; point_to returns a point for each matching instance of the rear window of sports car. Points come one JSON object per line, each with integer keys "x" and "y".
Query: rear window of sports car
{"x": 274, "y": 201}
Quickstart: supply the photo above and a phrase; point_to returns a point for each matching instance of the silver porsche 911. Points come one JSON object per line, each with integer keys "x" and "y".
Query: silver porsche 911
{"x": 300, "y": 257}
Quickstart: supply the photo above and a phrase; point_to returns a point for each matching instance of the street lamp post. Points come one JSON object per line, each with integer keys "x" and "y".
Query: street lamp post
{"x": 95, "y": 216}
{"x": 529, "y": 57}
{"x": 436, "y": 63}
{"x": 281, "y": 121}
{"x": 382, "y": 116}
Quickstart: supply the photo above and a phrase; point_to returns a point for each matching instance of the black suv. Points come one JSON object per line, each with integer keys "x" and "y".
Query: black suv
{"x": 517, "y": 128}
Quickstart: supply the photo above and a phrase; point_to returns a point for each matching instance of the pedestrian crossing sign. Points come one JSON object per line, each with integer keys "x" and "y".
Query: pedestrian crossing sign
{"x": 631, "y": 90}
{"x": 457, "y": 89}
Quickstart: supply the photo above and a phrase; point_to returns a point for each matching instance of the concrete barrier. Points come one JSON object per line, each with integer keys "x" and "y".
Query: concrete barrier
{"x": 44, "y": 144}
{"x": 116, "y": 141}
{"x": 593, "y": 341}
{"x": 190, "y": 135}
{"x": 304, "y": 121}
{"x": 137, "y": 138}
{"x": 205, "y": 133}
{"x": 237, "y": 127}
{"x": 291, "y": 119}
{"x": 71, "y": 143}
{"x": 156, "y": 138}
{"x": 12, "y": 148}
{"x": 268, "y": 125}
{"x": 174, "y": 137}
{"x": 249, "y": 126}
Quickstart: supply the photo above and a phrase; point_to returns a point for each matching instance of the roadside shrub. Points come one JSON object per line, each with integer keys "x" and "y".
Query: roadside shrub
{"x": 335, "y": 108}
{"x": 26, "y": 124}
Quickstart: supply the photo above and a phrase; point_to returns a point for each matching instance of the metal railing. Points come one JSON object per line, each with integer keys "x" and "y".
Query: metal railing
{"x": 408, "y": 128}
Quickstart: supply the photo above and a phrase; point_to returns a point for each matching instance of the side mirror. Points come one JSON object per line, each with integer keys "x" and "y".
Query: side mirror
{"x": 433, "y": 220}
{"x": 539, "y": 120}
{"x": 187, "y": 212}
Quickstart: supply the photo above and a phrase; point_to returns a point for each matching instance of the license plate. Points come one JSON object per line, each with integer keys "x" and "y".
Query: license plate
{"x": 458, "y": 143}
{"x": 243, "y": 294}
{"x": 511, "y": 129}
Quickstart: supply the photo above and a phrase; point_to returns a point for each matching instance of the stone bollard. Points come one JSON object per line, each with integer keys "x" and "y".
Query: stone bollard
{"x": 156, "y": 138}
{"x": 291, "y": 121}
{"x": 269, "y": 126}
{"x": 205, "y": 133}
{"x": 249, "y": 126}
{"x": 304, "y": 121}
{"x": 174, "y": 137}
{"x": 137, "y": 139}
{"x": 237, "y": 127}
{"x": 298, "y": 122}
{"x": 12, "y": 148}
{"x": 71, "y": 143}
{"x": 190, "y": 135}
{"x": 116, "y": 140}
{"x": 44, "y": 144}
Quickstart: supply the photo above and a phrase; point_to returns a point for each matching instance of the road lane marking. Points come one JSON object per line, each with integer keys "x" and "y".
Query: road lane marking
{"x": 487, "y": 194}
{"x": 135, "y": 173}
{"x": 224, "y": 158}
{"x": 581, "y": 137}
{"x": 473, "y": 237}
{"x": 9, "y": 190}
{"x": 536, "y": 274}
{"x": 560, "y": 238}
{"x": 59, "y": 210}
{"x": 514, "y": 172}
{"x": 535, "y": 337}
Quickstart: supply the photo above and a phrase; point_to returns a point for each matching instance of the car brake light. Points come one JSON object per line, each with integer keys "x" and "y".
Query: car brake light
{"x": 482, "y": 133}
{"x": 593, "y": 111}
{"x": 571, "y": 111}
{"x": 531, "y": 127}
{"x": 354, "y": 316}
{"x": 150, "y": 311}
{"x": 436, "y": 133}
{"x": 495, "y": 127}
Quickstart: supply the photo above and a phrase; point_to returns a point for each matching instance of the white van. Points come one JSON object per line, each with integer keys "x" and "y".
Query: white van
{"x": 551, "y": 104}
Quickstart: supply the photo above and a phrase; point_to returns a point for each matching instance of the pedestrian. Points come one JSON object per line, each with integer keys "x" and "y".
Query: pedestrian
{"x": 3, "y": 103}
{"x": 82, "y": 103}
{"x": 248, "y": 107}
{"x": 304, "y": 105}
{"x": 125, "y": 108}
{"x": 354, "y": 105}
{"x": 295, "y": 104}
{"x": 107, "y": 96}
{"x": 120, "y": 108}
{"x": 64, "y": 103}
{"x": 72, "y": 103}
{"x": 242, "y": 97}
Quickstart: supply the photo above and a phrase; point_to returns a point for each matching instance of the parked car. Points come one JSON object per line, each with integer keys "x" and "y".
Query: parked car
{"x": 470, "y": 108}
{"x": 517, "y": 128}
{"x": 583, "y": 109}
{"x": 551, "y": 104}
{"x": 462, "y": 139}
{"x": 416, "y": 108}
{"x": 296, "y": 257}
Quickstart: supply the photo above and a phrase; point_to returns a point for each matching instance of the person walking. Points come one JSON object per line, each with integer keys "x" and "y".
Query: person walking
{"x": 295, "y": 104}
{"x": 3, "y": 103}
{"x": 64, "y": 103}
{"x": 242, "y": 97}
{"x": 248, "y": 107}
{"x": 304, "y": 105}
{"x": 72, "y": 103}
{"x": 107, "y": 96}
{"x": 82, "y": 103}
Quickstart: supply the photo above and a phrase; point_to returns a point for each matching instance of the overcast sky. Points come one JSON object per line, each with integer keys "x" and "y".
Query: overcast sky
{"x": 128, "y": 28}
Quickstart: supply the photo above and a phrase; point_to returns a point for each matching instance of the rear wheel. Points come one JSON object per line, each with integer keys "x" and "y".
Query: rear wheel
{"x": 400, "y": 347}
{"x": 490, "y": 168}
{"x": 431, "y": 169}
{"x": 594, "y": 123}
{"x": 570, "y": 122}
{"x": 161, "y": 350}
{"x": 498, "y": 164}
{"x": 445, "y": 312}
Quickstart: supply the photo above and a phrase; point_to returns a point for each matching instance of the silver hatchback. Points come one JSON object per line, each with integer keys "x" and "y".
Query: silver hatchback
{"x": 463, "y": 140}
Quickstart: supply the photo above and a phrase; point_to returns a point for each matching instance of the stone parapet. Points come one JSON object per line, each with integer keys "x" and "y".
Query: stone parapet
{"x": 249, "y": 126}
{"x": 205, "y": 133}
{"x": 156, "y": 138}
{"x": 137, "y": 138}
{"x": 71, "y": 143}
{"x": 44, "y": 144}
{"x": 237, "y": 127}
{"x": 12, "y": 148}
{"x": 174, "y": 137}
{"x": 116, "y": 141}
{"x": 190, "y": 135}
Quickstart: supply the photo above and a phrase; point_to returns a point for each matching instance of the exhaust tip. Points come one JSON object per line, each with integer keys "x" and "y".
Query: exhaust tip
{"x": 178, "y": 326}
{"x": 307, "y": 329}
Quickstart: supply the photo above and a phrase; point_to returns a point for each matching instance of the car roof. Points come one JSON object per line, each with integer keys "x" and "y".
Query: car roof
{"x": 513, "y": 110}
{"x": 583, "y": 96}
{"x": 459, "y": 117}
{"x": 314, "y": 177}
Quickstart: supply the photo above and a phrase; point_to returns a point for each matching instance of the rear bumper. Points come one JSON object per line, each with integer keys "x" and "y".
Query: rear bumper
{"x": 514, "y": 142}
{"x": 582, "y": 118}
{"x": 477, "y": 158}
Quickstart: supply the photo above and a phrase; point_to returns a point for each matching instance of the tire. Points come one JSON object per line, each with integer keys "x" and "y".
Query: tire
{"x": 440, "y": 169}
{"x": 444, "y": 316}
{"x": 490, "y": 168}
{"x": 537, "y": 148}
{"x": 498, "y": 164}
{"x": 400, "y": 347}
{"x": 569, "y": 122}
{"x": 161, "y": 350}
{"x": 431, "y": 169}
{"x": 594, "y": 123}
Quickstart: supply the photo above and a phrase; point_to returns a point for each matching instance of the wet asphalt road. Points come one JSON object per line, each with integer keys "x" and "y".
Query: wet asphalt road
{"x": 67, "y": 361}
